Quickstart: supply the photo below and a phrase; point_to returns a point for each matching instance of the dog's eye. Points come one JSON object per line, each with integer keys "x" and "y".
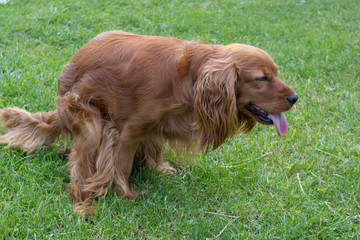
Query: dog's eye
{"x": 262, "y": 79}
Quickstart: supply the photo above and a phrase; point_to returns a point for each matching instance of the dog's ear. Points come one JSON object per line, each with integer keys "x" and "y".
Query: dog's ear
{"x": 215, "y": 102}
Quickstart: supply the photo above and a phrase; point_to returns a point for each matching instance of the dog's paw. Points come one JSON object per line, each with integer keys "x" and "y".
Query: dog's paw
{"x": 64, "y": 153}
{"x": 86, "y": 209}
{"x": 166, "y": 168}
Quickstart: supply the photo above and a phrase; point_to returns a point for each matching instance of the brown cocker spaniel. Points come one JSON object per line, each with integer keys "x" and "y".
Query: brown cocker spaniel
{"x": 123, "y": 97}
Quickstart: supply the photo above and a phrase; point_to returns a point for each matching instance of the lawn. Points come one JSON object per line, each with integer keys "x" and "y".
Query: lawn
{"x": 305, "y": 185}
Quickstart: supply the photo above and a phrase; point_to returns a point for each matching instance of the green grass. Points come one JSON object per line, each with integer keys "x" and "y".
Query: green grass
{"x": 303, "y": 186}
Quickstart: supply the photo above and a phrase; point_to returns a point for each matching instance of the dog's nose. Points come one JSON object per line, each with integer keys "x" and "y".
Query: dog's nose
{"x": 292, "y": 98}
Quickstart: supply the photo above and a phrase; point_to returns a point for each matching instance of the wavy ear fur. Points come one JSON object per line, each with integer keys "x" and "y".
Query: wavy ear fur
{"x": 215, "y": 102}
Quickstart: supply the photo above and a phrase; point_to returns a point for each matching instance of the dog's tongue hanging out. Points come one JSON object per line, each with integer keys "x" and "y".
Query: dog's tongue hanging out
{"x": 280, "y": 123}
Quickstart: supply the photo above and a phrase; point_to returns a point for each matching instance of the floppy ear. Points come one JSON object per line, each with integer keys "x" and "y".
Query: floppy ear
{"x": 215, "y": 102}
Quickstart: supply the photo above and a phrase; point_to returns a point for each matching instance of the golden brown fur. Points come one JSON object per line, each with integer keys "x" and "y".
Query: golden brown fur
{"x": 124, "y": 96}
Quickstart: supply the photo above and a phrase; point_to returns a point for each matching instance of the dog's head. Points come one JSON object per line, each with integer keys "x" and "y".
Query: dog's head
{"x": 237, "y": 88}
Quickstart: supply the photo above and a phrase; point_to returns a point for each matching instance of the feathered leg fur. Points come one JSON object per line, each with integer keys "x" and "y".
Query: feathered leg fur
{"x": 102, "y": 154}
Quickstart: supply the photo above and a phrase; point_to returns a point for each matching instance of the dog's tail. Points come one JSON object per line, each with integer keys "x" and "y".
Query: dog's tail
{"x": 28, "y": 131}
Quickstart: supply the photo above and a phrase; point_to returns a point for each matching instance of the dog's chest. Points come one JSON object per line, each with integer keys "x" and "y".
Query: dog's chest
{"x": 175, "y": 127}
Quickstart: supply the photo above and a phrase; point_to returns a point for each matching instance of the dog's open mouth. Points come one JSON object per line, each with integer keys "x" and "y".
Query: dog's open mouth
{"x": 278, "y": 120}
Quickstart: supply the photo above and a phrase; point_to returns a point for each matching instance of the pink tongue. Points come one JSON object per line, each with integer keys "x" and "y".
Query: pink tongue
{"x": 280, "y": 123}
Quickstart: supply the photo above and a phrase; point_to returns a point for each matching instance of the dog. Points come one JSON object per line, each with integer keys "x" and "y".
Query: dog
{"x": 122, "y": 97}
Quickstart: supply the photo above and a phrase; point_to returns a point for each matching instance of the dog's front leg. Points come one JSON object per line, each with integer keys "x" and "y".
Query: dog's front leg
{"x": 150, "y": 153}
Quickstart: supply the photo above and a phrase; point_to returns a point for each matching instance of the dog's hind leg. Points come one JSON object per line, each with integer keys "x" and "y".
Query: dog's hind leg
{"x": 82, "y": 167}
{"x": 84, "y": 123}
{"x": 102, "y": 153}
{"x": 113, "y": 165}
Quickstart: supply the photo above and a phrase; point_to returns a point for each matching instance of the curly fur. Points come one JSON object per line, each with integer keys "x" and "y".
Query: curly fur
{"x": 123, "y": 97}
